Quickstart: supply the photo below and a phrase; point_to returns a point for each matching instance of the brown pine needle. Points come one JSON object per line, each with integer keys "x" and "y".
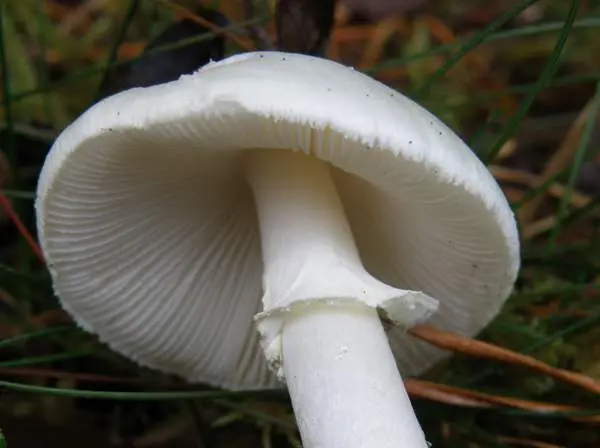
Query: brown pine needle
{"x": 530, "y": 180}
{"x": 352, "y": 33}
{"x": 557, "y": 163}
{"x": 538, "y": 227}
{"x": 439, "y": 30}
{"x": 376, "y": 42}
{"x": 479, "y": 349}
{"x": 469, "y": 398}
{"x": 7, "y": 208}
{"x": 430, "y": 391}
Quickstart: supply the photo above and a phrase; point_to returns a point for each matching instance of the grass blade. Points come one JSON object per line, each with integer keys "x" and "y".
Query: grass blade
{"x": 547, "y": 73}
{"x": 575, "y": 168}
{"x": 473, "y": 43}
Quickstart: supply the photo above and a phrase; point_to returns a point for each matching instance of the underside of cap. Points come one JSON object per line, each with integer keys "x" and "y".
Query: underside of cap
{"x": 151, "y": 235}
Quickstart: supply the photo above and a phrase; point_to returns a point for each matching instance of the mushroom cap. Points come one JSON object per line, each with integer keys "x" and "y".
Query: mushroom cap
{"x": 151, "y": 235}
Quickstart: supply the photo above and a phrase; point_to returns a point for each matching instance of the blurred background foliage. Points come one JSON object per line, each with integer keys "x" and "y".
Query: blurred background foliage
{"x": 518, "y": 80}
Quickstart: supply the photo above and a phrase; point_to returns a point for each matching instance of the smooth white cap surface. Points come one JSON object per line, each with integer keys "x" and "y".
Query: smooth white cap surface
{"x": 150, "y": 231}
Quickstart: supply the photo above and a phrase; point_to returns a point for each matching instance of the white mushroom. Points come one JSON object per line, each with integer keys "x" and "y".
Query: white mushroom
{"x": 286, "y": 192}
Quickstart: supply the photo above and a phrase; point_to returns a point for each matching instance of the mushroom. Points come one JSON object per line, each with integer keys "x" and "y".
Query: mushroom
{"x": 289, "y": 194}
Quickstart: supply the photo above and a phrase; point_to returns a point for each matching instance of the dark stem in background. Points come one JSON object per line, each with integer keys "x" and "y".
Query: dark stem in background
{"x": 304, "y": 26}
{"x": 154, "y": 67}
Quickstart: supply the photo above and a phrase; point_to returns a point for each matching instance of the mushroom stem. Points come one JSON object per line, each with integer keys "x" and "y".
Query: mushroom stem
{"x": 344, "y": 384}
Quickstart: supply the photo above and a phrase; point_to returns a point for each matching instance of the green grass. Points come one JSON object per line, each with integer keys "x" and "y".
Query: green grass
{"x": 560, "y": 268}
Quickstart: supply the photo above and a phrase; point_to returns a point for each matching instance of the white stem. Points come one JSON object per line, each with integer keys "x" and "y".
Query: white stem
{"x": 345, "y": 387}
